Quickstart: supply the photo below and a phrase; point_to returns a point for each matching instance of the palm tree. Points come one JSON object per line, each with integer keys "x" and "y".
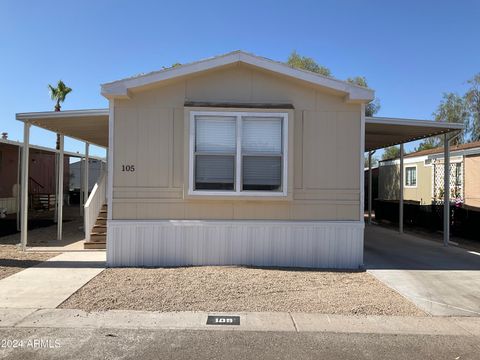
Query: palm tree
{"x": 59, "y": 93}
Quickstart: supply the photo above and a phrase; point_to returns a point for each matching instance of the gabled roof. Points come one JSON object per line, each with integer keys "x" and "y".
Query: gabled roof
{"x": 121, "y": 88}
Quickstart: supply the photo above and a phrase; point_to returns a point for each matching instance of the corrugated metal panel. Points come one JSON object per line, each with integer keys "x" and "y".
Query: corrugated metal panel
{"x": 261, "y": 243}
{"x": 10, "y": 204}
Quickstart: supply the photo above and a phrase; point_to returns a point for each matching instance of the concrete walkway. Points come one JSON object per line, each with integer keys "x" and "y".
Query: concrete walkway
{"x": 50, "y": 283}
{"x": 293, "y": 322}
{"x": 440, "y": 280}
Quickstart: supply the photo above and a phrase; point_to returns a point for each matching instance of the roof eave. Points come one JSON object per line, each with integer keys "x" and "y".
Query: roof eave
{"x": 66, "y": 113}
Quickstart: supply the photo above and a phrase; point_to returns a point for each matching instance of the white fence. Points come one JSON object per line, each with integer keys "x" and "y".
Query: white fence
{"x": 94, "y": 204}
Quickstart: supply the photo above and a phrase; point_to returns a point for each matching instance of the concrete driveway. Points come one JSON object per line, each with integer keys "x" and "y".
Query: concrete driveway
{"x": 440, "y": 280}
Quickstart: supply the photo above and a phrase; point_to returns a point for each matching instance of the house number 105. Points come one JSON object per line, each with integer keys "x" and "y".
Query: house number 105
{"x": 130, "y": 168}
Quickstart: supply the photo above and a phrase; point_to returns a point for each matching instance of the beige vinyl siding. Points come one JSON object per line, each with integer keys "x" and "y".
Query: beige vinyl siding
{"x": 472, "y": 180}
{"x": 151, "y": 132}
{"x": 389, "y": 183}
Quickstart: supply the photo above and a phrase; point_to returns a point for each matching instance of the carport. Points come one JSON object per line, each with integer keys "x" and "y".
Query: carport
{"x": 89, "y": 126}
{"x": 382, "y": 132}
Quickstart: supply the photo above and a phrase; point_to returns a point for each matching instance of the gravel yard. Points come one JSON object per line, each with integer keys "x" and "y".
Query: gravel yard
{"x": 12, "y": 260}
{"x": 239, "y": 289}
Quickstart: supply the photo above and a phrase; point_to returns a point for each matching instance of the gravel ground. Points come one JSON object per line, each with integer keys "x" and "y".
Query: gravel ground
{"x": 239, "y": 289}
{"x": 13, "y": 260}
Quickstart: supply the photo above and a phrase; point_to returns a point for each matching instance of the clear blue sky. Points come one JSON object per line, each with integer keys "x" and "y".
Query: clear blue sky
{"x": 410, "y": 51}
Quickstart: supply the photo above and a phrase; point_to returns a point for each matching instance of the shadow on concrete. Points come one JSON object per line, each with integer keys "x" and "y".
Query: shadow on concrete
{"x": 387, "y": 249}
{"x": 17, "y": 263}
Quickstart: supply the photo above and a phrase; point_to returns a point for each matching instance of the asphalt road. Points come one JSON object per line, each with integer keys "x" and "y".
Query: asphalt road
{"x": 171, "y": 344}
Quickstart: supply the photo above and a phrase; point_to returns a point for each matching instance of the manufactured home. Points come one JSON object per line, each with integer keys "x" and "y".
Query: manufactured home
{"x": 236, "y": 159}
{"x": 423, "y": 176}
{"x": 42, "y": 188}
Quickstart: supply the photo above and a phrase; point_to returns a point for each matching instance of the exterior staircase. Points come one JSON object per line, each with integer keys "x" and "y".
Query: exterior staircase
{"x": 98, "y": 235}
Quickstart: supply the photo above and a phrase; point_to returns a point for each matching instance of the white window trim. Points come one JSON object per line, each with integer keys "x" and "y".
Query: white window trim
{"x": 238, "y": 192}
{"x": 405, "y": 177}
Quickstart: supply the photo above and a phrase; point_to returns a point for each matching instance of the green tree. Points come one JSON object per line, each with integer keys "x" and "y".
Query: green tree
{"x": 172, "y": 66}
{"x": 306, "y": 63}
{"x": 59, "y": 93}
{"x": 374, "y": 161}
{"x": 428, "y": 143}
{"x": 372, "y": 107}
{"x": 453, "y": 108}
{"x": 472, "y": 98}
{"x": 391, "y": 152}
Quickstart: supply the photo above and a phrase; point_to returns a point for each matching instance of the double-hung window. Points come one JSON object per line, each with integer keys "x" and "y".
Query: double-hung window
{"x": 238, "y": 153}
{"x": 411, "y": 176}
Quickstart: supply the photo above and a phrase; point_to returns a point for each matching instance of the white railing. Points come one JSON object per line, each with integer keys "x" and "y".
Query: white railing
{"x": 94, "y": 203}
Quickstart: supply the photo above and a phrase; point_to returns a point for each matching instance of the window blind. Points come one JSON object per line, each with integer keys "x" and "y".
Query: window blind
{"x": 215, "y": 134}
{"x": 261, "y": 135}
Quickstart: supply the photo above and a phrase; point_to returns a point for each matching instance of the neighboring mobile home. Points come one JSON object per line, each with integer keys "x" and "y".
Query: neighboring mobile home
{"x": 41, "y": 176}
{"x": 235, "y": 159}
{"x": 95, "y": 169}
{"x": 423, "y": 176}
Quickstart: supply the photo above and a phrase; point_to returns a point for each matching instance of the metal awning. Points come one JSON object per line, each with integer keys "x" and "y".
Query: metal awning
{"x": 381, "y": 132}
{"x": 84, "y": 125}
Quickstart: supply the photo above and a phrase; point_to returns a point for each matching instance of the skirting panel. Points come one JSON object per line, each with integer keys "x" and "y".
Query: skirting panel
{"x": 316, "y": 244}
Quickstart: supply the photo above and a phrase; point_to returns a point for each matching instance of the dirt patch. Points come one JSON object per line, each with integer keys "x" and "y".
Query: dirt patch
{"x": 239, "y": 289}
{"x": 12, "y": 260}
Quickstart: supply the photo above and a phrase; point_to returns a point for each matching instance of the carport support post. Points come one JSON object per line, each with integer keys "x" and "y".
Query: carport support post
{"x": 85, "y": 175}
{"x": 55, "y": 210}
{"x": 370, "y": 153}
{"x": 446, "y": 192}
{"x": 18, "y": 194}
{"x": 60, "y": 190}
{"x": 400, "y": 203}
{"x": 25, "y": 157}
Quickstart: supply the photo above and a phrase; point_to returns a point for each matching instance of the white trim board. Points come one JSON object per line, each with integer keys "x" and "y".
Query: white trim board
{"x": 121, "y": 88}
{"x": 417, "y": 159}
{"x": 63, "y": 113}
{"x": 314, "y": 244}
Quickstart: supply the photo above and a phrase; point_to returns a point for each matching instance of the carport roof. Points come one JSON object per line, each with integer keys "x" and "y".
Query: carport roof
{"x": 92, "y": 126}
{"x": 381, "y": 132}
{"x": 86, "y": 125}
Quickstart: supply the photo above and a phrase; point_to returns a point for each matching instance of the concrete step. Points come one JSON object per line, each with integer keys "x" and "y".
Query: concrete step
{"x": 102, "y": 236}
{"x": 94, "y": 245}
{"x": 101, "y": 221}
